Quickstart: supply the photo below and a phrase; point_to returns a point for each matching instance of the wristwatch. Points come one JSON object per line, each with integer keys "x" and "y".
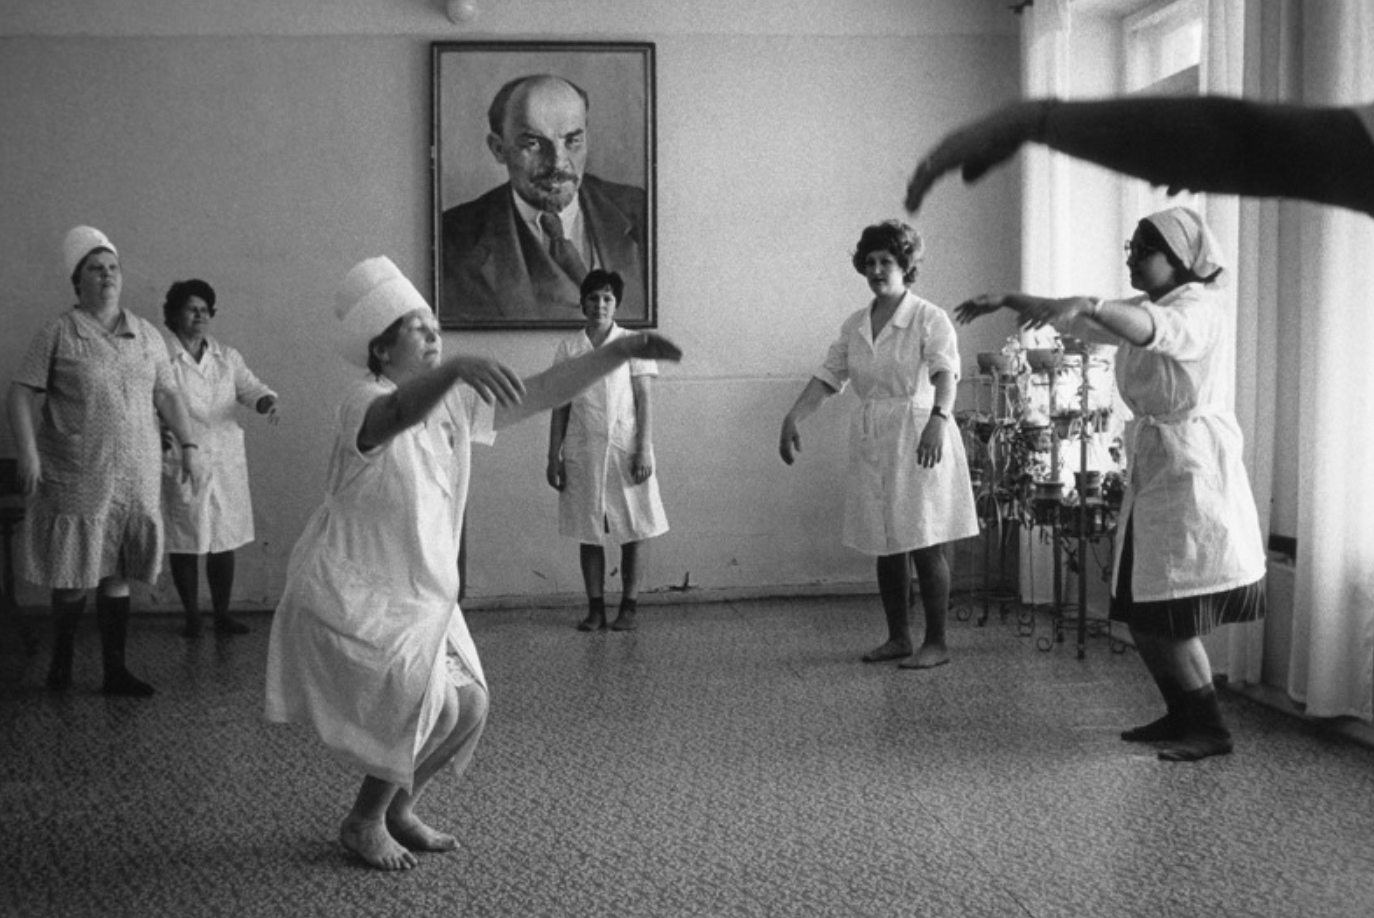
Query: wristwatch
{"x": 938, "y": 412}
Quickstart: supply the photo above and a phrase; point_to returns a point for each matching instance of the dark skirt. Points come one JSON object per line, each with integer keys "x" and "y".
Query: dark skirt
{"x": 1185, "y": 618}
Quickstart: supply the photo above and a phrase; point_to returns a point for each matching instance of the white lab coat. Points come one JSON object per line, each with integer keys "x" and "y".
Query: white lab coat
{"x": 600, "y": 501}
{"x": 218, "y": 517}
{"x": 892, "y": 504}
{"x": 370, "y": 607}
{"x": 1188, "y": 496}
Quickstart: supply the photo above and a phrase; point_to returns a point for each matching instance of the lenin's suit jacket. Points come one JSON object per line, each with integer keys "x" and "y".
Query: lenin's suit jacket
{"x": 495, "y": 269}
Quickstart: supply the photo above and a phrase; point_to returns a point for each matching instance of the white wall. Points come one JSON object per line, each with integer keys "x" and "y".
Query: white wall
{"x": 266, "y": 147}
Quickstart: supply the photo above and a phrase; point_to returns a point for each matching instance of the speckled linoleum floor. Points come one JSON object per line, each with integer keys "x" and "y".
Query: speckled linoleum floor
{"x": 729, "y": 759}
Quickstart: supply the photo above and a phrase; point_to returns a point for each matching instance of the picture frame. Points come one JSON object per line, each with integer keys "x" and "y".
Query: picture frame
{"x": 496, "y": 263}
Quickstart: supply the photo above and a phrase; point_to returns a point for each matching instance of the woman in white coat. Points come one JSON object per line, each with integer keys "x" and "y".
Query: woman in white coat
{"x": 908, "y": 492}
{"x": 1189, "y": 555}
{"x": 368, "y": 644}
{"x": 601, "y": 460}
{"x": 218, "y": 518}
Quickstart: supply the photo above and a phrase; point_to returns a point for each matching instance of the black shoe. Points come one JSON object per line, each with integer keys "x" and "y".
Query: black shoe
{"x": 224, "y": 624}
{"x": 60, "y": 672}
{"x": 126, "y": 684}
{"x": 625, "y": 621}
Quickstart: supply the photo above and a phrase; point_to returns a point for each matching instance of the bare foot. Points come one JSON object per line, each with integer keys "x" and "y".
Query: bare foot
{"x": 371, "y": 842}
{"x": 892, "y": 650}
{"x": 417, "y": 836}
{"x": 928, "y": 657}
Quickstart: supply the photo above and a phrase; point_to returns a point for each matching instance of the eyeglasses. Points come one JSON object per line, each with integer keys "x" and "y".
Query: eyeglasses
{"x": 1138, "y": 249}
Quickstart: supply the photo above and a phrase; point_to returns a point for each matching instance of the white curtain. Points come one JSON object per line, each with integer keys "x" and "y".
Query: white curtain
{"x": 1238, "y": 651}
{"x": 1046, "y": 243}
{"x": 1332, "y": 665}
{"x": 1045, "y": 226}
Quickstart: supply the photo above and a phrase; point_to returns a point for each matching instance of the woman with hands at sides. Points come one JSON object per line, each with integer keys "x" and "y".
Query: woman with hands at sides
{"x": 369, "y": 645}
{"x": 907, "y": 491}
{"x": 90, "y": 459}
{"x": 1204, "y": 143}
{"x": 1189, "y": 555}
{"x": 213, "y": 380}
{"x": 601, "y": 460}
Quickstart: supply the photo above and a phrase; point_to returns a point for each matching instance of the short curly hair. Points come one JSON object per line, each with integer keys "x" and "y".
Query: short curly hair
{"x": 599, "y": 279}
{"x": 180, "y": 293}
{"x": 902, "y": 242}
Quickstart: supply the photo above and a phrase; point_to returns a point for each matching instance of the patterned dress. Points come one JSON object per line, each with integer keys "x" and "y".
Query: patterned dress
{"x": 97, "y": 512}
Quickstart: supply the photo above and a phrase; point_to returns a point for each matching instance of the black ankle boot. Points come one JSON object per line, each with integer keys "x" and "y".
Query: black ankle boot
{"x": 65, "y": 617}
{"x": 1206, "y": 734}
{"x": 112, "y": 617}
{"x": 1172, "y": 726}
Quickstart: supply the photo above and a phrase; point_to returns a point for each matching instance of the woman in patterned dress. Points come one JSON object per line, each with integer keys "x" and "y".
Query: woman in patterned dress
{"x": 214, "y": 521}
{"x": 90, "y": 459}
{"x": 907, "y": 492}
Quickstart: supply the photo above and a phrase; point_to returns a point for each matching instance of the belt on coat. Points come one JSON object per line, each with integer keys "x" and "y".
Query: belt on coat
{"x": 867, "y": 427}
{"x": 1173, "y": 418}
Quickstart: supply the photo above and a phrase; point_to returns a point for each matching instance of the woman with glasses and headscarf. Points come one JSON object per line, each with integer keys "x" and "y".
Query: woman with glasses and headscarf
{"x": 1189, "y": 556}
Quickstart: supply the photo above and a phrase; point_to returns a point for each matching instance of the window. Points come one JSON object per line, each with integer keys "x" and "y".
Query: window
{"x": 1162, "y": 54}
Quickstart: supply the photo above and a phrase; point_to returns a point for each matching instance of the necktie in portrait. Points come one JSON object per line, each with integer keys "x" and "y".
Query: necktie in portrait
{"x": 561, "y": 248}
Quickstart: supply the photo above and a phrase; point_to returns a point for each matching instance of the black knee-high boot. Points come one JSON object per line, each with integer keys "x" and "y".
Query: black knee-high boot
{"x": 65, "y": 617}
{"x": 112, "y": 616}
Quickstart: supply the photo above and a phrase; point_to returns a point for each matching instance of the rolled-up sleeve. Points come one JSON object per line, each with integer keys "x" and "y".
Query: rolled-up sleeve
{"x": 835, "y": 371}
{"x": 481, "y": 416}
{"x": 1186, "y": 326}
{"x": 248, "y": 389}
{"x": 940, "y": 348}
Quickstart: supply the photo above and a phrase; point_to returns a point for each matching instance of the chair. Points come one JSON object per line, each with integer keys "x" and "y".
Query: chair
{"x": 11, "y": 515}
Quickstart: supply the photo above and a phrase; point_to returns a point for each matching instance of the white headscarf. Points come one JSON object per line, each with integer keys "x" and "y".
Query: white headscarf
{"x": 373, "y": 295}
{"x": 1190, "y": 240}
{"x": 82, "y": 241}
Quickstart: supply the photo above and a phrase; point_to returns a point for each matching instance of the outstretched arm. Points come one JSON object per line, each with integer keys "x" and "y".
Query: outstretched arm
{"x": 1208, "y": 143}
{"x": 558, "y": 384}
{"x": 413, "y": 400}
{"x": 1122, "y": 320}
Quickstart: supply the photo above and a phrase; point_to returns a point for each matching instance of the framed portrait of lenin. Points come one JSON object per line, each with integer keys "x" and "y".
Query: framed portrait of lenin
{"x": 543, "y": 167}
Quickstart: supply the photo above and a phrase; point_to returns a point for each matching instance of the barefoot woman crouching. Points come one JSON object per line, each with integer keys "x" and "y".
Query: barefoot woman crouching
{"x": 368, "y": 644}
